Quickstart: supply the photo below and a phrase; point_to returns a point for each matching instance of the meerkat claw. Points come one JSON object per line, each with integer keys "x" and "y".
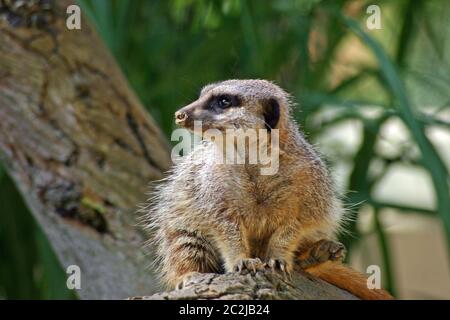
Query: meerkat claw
{"x": 279, "y": 265}
{"x": 251, "y": 265}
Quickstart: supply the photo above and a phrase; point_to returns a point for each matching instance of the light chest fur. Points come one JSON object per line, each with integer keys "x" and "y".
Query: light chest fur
{"x": 239, "y": 195}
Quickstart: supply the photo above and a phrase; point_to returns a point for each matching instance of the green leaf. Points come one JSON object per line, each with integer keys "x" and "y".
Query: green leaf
{"x": 385, "y": 252}
{"x": 430, "y": 158}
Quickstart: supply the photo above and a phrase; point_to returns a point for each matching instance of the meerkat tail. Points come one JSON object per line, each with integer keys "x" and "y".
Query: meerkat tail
{"x": 346, "y": 278}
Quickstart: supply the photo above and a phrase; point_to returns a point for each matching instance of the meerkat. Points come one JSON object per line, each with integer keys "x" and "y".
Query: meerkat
{"x": 218, "y": 217}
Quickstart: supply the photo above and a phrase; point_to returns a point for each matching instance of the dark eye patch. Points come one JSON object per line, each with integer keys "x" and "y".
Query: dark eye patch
{"x": 222, "y": 102}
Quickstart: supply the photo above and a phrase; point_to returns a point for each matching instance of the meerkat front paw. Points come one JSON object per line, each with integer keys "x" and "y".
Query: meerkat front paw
{"x": 325, "y": 250}
{"x": 250, "y": 264}
{"x": 322, "y": 251}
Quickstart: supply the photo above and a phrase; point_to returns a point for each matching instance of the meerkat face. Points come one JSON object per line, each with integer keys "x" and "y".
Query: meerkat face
{"x": 236, "y": 104}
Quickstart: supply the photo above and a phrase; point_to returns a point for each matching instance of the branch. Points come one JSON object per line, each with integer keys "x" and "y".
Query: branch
{"x": 260, "y": 286}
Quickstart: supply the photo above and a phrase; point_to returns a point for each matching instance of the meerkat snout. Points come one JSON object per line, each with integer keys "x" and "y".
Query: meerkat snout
{"x": 186, "y": 116}
{"x": 180, "y": 117}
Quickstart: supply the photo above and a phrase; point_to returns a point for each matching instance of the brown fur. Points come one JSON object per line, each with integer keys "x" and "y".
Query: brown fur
{"x": 209, "y": 217}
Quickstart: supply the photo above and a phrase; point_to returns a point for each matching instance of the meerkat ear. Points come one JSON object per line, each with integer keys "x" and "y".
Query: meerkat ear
{"x": 271, "y": 113}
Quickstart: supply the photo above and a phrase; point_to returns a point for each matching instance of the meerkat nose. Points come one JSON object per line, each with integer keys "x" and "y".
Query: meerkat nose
{"x": 180, "y": 116}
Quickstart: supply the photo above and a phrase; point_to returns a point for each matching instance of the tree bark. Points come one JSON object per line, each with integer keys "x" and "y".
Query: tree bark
{"x": 79, "y": 146}
{"x": 81, "y": 149}
{"x": 264, "y": 285}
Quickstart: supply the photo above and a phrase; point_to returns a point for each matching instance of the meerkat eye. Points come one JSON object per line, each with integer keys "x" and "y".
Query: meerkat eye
{"x": 224, "y": 101}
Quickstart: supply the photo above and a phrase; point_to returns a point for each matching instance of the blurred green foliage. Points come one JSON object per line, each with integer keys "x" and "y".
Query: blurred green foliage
{"x": 28, "y": 266}
{"x": 169, "y": 49}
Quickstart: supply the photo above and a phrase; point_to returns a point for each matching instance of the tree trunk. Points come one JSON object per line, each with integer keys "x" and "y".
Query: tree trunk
{"x": 81, "y": 149}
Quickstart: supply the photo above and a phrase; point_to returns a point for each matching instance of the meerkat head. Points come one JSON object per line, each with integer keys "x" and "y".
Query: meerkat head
{"x": 236, "y": 104}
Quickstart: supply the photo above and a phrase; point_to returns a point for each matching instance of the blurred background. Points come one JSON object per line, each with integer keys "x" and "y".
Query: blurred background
{"x": 375, "y": 102}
